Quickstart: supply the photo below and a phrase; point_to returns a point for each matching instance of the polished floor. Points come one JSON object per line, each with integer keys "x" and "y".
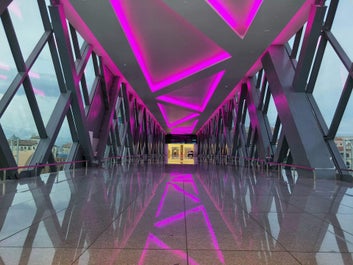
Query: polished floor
{"x": 174, "y": 215}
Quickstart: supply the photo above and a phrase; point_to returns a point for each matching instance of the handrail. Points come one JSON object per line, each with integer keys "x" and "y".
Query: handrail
{"x": 41, "y": 165}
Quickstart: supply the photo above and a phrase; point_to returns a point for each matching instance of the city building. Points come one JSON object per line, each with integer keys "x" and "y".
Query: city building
{"x": 176, "y": 132}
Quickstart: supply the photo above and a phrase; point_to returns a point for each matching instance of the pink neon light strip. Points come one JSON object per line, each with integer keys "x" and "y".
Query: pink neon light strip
{"x": 171, "y": 219}
{"x": 175, "y": 123}
{"x": 3, "y": 77}
{"x": 182, "y": 130}
{"x": 181, "y": 216}
{"x": 34, "y": 75}
{"x": 229, "y": 226}
{"x": 222, "y": 56}
{"x": 155, "y": 240}
{"x": 38, "y": 92}
{"x": 177, "y": 188}
{"x": 5, "y": 67}
{"x": 14, "y": 8}
{"x": 184, "y": 104}
{"x": 239, "y": 29}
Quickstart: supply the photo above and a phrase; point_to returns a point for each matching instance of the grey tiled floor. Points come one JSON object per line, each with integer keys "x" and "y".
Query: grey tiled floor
{"x": 160, "y": 214}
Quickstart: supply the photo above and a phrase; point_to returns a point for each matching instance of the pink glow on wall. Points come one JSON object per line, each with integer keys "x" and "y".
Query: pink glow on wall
{"x": 4, "y": 66}
{"x": 38, "y": 92}
{"x": 193, "y": 106}
{"x": 152, "y": 239}
{"x": 3, "y": 77}
{"x": 15, "y": 9}
{"x": 155, "y": 82}
{"x": 239, "y": 14}
{"x": 34, "y": 75}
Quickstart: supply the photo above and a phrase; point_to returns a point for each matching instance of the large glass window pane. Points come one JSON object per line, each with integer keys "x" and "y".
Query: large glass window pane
{"x": 63, "y": 143}
{"x": 342, "y": 26}
{"x": 344, "y": 139}
{"x": 90, "y": 75}
{"x": 329, "y": 84}
{"x": 7, "y": 65}
{"x": 44, "y": 84}
{"x": 28, "y": 24}
{"x": 19, "y": 128}
{"x": 272, "y": 112}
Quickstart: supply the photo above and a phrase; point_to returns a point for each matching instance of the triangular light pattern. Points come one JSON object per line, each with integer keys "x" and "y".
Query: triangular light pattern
{"x": 174, "y": 116}
{"x": 180, "y": 51}
{"x": 238, "y": 14}
{"x": 194, "y": 96}
{"x": 184, "y": 128}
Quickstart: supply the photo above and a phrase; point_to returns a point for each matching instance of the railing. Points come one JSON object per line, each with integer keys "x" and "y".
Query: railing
{"x": 37, "y": 166}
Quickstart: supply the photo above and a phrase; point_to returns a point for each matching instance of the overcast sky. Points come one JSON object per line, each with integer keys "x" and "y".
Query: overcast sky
{"x": 17, "y": 118}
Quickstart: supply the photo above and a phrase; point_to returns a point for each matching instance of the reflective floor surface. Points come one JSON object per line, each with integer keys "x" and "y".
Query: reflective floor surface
{"x": 174, "y": 215}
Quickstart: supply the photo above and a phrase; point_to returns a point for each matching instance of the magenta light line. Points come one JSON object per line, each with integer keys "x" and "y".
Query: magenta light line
{"x": 187, "y": 194}
{"x": 4, "y": 66}
{"x": 171, "y": 219}
{"x": 178, "y": 122}
{"x": 34, "y": 75}
{"x": 213, "y": 235}
{"x": 153, "y": 239}
{"x": 14, "y": 8}
{"x": 180, "y": 216}
{"x": 38, "y": 92}
{"x": 178, "y": 189}
{"x": 185, "y": 119}
{"x": 223, "y": 13}
{"x": 3, "y": 77}
{"x": 161, "y": 203}
{"x": 222, "y": 56}
{"x": 182, "y": 130}
{"x": 187, "y": 105}
{"x": 229, "y": 19}
{"x": 191, "y": 71}
{"x": 229, "y": 226}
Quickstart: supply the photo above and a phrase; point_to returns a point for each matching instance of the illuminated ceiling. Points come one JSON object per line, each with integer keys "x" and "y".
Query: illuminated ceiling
{"x": 182, "y": 57}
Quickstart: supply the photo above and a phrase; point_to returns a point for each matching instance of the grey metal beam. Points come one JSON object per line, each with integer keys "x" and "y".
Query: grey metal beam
{"x": 299, "y": 124}
{"x": 127, "y": 139}
{"x": 67, "y": 61}
{"x": 44, "y": 148}
{"x": 6, "y": 157}
{"x": 3, "y": 5}
{"x": 341, "y": 107}
{"x": 258, "y": 121}
{"x": 311, "y": 36}
{"x": 107, "y": 121}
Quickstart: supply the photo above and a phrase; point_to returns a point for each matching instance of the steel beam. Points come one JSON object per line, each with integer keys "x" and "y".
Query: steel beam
{"x": 44, "y": 148}
{"x": 259, "y": 121}
{"x": 108, "y": 118}
{"x": 68, "y": 65}
{"x": 6, "y": 158}
{"x": 299, "y": 123}
{"x": 307, "y": 52}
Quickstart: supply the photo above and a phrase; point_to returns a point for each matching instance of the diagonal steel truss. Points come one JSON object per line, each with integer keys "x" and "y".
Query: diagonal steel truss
{"x": 240, "y": 129}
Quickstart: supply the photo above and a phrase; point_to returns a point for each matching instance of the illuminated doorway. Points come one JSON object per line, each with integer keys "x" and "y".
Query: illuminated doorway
{"x": 181, "y": 154}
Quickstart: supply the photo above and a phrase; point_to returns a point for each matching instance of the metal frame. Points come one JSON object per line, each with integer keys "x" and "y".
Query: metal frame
{"x": 300, "y": 134}
{"x": 94, "y": 138}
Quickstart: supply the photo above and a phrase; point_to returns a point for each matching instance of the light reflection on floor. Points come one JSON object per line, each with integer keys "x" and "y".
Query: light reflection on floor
{"x": 175, "y": 214}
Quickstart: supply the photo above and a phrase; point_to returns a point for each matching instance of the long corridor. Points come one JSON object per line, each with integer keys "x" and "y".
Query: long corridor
{"x": 174, "y": 215}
